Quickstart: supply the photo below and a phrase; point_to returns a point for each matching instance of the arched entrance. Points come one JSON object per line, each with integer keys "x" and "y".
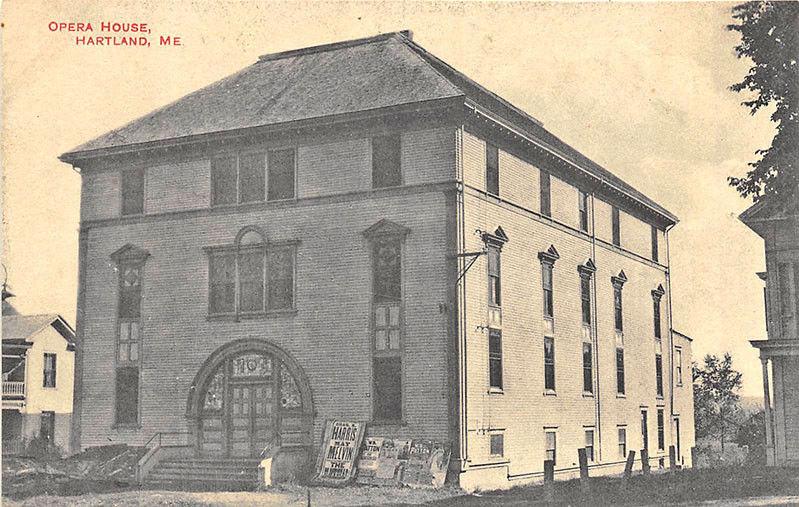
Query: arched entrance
{"x": 250, "y": 395}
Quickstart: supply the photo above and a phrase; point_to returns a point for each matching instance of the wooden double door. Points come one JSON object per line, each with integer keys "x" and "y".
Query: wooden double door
{"x": 252, "y": 418}
{"x": 240, "y": 408}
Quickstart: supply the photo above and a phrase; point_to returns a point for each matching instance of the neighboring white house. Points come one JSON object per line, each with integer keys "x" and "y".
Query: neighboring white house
{"x": 38, "y": 372}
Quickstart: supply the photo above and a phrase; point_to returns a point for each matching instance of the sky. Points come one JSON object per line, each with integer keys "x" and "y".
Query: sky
{"x": 641, "y": 88}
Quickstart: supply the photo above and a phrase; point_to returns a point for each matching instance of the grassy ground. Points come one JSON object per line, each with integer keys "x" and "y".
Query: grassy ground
{"x": 729, "y": 486}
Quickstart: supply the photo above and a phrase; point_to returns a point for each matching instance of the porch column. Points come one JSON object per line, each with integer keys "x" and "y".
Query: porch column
{"x": 767, "y": 405}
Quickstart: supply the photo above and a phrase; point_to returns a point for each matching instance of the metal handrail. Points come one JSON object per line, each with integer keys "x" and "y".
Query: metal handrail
{"x": 152, "y": 450}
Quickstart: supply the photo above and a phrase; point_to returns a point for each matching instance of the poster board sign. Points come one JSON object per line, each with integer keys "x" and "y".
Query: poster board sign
{"x": 340, "y": 446}
{"x": 391, "y": 462}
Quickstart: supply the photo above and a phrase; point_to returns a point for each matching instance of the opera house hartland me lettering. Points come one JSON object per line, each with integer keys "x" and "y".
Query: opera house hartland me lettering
{"x": 357, "y": 231}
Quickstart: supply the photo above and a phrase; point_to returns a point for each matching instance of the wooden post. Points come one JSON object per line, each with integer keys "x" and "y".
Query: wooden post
{"x": 628, "y": 469}
{"x": 645, "y": 461}
{"x": 672, "y": 459}
{"x": 549, "y": 481}
{"x": 585, "y": 485}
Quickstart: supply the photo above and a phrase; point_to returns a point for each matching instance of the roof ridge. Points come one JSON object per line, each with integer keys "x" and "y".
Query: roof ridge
{"x": 331, "y": 46}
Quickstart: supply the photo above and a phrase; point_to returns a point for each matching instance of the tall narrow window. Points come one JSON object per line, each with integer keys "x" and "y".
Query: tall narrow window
{"x": 678, "y": 366}
{"x": 585, "y": 299}
{"x": 617, "y": 309}
{"x": 644, "y": 430}
{"x": 133, "y": 191}
{"x": 659, "y": 374}
{"x": 620, "y": 387}
{"x": 589, "y": 445}
{"x": 622, "y": 431}
{"x": 588, "y": 368}
{"x": 657, "y": 294}
{"x": 789, "y": 298}
{"x": 549, "y": 363}
{"x": 494, "y": 279}
{"x": 654, "y": 243}
{"x": 252, "y": 176}
{"x": 280, "y": 180}
{"x": 386, "y": 161}
{"x": 222, "y": 295}
{"x": 495, "y": 358}
{"x": 583, "y": 210}
{"x": 49, "y": 377}
{"x": 661, "y": 431}
{"x": 546, "y": 196}
{"x": 548, "y": 259}
{"x": 616, "y": 226}
{"x": 280, "y": 277}
{"x": 387, "y": 297}
{"x": 251, "y": 281}
{"x": 386, "y": 243}
{"x": 551, "y": 443}
{"x": 492, "y": 169}
{"x": 546, "y": 282}
{"x": 224, "y": 181}
{"x": 130, "y": 264}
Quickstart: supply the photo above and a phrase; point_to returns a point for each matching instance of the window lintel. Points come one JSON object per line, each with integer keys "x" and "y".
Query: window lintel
{"x": 658, "y": 293}
{"x": 385, "y": 228}
{"x": 549, "y": 256}
{"x": 130, "y": 254}
{"x": 587, "y": 269}
{"x": 619, "y": 280}
{"x": 497, "y": 239}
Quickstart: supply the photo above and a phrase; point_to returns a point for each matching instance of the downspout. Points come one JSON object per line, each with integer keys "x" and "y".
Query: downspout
{"x": 671, "y": 326}
{"x": 462, "y": 335}
{"x": 595, "y": 338}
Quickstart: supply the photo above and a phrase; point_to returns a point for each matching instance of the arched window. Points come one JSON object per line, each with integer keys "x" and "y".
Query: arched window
{"x": 252, "y": 277}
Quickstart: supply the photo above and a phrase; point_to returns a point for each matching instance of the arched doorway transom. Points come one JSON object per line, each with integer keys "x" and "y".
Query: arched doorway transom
{"x": 247, "y": 396}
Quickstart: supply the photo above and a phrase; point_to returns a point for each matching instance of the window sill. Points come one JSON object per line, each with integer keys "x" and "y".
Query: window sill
{"x": 678, "y": 385}
{"x": 586, "y": 394}
{"x": 126, "y": 426}
{"x": 251, "y": 316}
{"x": 550, "y": 392}
{"x": 387, "y": 422}
{"x": 495, "y": 390}
{"x": 621, "y": 396}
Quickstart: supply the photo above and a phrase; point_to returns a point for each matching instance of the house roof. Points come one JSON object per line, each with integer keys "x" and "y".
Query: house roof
{"x": 331, "y": 80}
{"x": 19, "y": 329}
{"x": 763, "y": 211}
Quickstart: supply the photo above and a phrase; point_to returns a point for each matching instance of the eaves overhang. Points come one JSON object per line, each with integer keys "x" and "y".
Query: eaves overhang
{"x": 315, "y": 124}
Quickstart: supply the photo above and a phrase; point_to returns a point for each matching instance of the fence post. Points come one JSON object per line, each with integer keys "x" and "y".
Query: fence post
{"x": 585, "y": 485}
{"x": 549, "y": 481}
{"x": 628, "y": 469}
{"x": 645, "y": 461}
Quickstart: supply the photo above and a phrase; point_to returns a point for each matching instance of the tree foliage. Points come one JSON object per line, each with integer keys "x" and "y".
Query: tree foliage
{"x": 716, "y": 386}
{"x": 770, "y": 39}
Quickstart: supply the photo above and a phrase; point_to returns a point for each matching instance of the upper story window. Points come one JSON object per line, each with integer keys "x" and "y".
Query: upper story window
{"x": 657, "y": 294}
{"x": 788, "y": 283}
{"x": 133, "y": 191}
{"x": 654, "y": 241}
{"x": 492, "y": 169}
{"x": 49, "y": 376}
{"x": 583, "y": 210}
{"x": 615, "y": 222}
{"x": 661, "y": 430}
{"x": 585, "y": 298}
{"x": 678, "y": 366}
{"x": 618, "y": 313}
{"x": 386, "y": 161}
{"x": 494, "y": 279}
{"x": 548, "y": 259}
{"x": 588, "y": 368}
{"x": 251, "y": 276}
{"x": 659, "y": 375}
{"x": 253, "y": 177}
{"x": 546, "y": 194}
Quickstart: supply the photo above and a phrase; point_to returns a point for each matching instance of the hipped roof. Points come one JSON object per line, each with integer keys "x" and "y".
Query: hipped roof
{"x": 331, "y": 80}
